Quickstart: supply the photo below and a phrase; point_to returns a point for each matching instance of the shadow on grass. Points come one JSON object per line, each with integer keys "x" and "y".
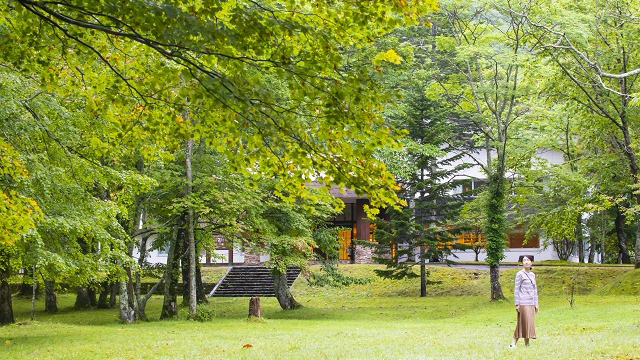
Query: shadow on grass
{"x": 236, "y": 309}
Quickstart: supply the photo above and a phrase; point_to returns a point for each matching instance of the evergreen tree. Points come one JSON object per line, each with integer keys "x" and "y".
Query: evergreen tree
{"x": 421, "y": 231}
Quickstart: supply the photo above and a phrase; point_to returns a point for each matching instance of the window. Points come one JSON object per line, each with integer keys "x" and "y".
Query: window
{"x": 164, "y": 250}
{"x": 478, "y": 184}
{"x": 517, "y": 241}
{"x": 372, "y": 228}
{"x": 470, "y": 239}
{"x": 346, "y": 215}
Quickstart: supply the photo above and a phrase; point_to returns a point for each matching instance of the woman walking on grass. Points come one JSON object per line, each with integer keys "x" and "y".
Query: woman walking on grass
{"x": 526, "y": 298}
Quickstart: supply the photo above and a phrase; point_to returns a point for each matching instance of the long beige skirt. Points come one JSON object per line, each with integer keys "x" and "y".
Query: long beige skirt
{"x": 526, "y": 327}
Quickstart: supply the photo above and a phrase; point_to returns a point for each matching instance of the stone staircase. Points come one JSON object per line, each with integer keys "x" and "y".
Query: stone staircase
{"x": 248, "y": 281}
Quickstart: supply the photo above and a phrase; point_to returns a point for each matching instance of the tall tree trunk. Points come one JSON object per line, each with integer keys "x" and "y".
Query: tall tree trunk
{"x": 637, "y": 248}
{"x": 602, "y": 251}
{"x": 191, "y": 249}
{"x": 494, "y": 278}
{"x": 50, "y": 298}
{"x": 495, "y": 228}
{"x": 281, "y": 288}
{"x": 184, "y": 266}
{"x": 602, "y": 239}
{"x": 592, "y": 248}
{"x": 172, "y": 275}
{"x": 103, "y": 302}
{"x": 129, "y": 280}
{"x": 26, "y": 288}
{"x": 202, "y": 295}
{"x": 623, "y": 251}
{"x": 193, "y": 297}
{"x": 113, "y": 296}
{"x": 140, "y": 304}
{"x": 91, "y": 293}
{"x": 127, "y": 314}
{"x": 126, "y": 301}
{"x": 82, "y": 298}
{"x": 6, "y": 308}
{"x": 629, "y": 152}
{"x": 579, "y": 238}
{"x": 33, "y": 297}
{"x": 423, "y": 273}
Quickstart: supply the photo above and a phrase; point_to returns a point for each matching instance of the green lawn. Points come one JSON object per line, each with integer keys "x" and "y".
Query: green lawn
{"x": 378, "y": 320}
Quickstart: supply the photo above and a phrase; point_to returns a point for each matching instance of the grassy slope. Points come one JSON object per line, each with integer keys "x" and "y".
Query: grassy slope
{"x": 379, "y": 320}
{"x": 627, "y": 283}
{"x": 456, "y": 282}
{"x": 551, "y": 263}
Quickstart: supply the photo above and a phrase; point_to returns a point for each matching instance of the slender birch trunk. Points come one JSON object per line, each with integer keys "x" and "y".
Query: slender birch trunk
{"x": 190, "y": 233}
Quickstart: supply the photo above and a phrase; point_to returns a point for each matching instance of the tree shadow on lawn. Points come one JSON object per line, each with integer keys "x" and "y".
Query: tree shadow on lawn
{"x": 380, "y": 309}
{"x": 71, "y": 316}
{"x": 314, "y": 309}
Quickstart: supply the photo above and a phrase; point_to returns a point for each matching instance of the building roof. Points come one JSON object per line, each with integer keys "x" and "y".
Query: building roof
{"x": 348, "y": 197}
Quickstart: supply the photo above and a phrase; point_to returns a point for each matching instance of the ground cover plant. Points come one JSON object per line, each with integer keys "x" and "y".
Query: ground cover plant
{"x": 376, "y": 320}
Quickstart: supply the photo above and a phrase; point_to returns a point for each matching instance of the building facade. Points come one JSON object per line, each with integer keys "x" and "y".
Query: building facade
{"x": 359, "y": 229}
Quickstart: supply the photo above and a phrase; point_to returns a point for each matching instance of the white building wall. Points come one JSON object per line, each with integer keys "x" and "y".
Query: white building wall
{"x": 511, "y": 255}
{"x": 542, "y": 155}
{"x": 159, "y": 256}
{"x": 155, "y": 256}
{"x": 476, "y": 172}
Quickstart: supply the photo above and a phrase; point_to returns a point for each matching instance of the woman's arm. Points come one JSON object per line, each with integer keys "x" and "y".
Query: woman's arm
{"x": 516, "y": 288}
{"x": 535, "y": 291}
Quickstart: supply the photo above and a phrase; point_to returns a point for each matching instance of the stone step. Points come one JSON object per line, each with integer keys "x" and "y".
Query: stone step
{"x": 245, "y": 281}
{"x": 258, "y": 278}
{"x": 246, "y": 295}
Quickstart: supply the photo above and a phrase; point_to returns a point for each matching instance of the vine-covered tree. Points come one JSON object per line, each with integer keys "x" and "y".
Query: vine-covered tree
{"x": 483, "y": 56}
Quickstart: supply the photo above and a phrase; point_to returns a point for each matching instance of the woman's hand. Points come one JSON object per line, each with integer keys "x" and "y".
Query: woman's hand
{"x": 518, "y": 308}
{"x": 537, "y": 309}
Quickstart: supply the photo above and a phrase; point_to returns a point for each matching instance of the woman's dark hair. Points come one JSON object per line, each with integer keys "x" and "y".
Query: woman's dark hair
{"x": 530, "y": 257}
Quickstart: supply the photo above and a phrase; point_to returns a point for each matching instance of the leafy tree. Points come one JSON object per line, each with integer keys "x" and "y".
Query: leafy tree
{"x": 287, "y": 232}
{"x": 596, "y": 55}
{"x": 481, "y": 73}
{"x": 18, "y": 214}
{"x": 223, "y": 57}
{"x": 232, "y": 79}
{"x": 79, "y": 236}
{"x": 470, "y": 222}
